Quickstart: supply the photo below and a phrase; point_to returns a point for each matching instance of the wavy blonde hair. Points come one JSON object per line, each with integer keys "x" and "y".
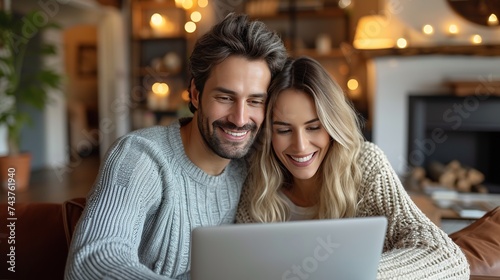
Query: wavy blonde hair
{"x": 339, "y": 174}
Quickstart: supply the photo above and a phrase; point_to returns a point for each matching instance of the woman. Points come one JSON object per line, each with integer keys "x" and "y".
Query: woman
{"x": 314, "y": 164}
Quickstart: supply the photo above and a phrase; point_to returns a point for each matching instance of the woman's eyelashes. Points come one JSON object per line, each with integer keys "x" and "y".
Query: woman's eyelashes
{"x": 289, "y": 130}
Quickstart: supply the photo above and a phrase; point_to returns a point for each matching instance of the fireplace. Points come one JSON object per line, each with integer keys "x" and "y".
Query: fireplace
{"x": 445, "y": 128}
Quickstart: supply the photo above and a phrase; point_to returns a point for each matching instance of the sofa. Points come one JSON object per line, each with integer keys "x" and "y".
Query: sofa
{"x": 480, "y": 242}
{"x": 42, "y": 234}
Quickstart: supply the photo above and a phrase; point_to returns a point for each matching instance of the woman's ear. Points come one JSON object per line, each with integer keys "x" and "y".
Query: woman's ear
{"x": 195, "y": 95}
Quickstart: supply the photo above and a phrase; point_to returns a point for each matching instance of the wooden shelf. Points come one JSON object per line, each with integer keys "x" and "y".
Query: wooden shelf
{"x": 481, "y": 50}
{"x": 149, "y": 71}
{"x": 326, "y": 13}
{"x": 156, "y": 38}
{"x": 332, "y": 54}
{"x": 148, "y": 50}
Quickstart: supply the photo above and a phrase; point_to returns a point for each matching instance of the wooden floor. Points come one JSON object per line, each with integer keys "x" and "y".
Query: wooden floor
{"x": 62, "y": 183}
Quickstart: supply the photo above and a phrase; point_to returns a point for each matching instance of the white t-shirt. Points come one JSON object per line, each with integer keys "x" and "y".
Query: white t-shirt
{"x": 298, "y": 213}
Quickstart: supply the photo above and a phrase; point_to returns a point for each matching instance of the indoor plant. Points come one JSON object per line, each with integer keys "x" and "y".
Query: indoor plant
{"x": 21, "y": 84}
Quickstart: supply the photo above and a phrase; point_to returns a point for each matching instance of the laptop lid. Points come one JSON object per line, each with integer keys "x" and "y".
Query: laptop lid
{"x": 314, "y": 249}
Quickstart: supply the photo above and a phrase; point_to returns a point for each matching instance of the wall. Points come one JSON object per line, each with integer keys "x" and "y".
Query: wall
{"x": 394, "y": 78}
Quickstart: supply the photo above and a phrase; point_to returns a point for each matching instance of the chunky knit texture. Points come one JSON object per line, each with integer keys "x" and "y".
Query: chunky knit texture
{"x": 414, "y": 247}
{"x": 140, "y": 213}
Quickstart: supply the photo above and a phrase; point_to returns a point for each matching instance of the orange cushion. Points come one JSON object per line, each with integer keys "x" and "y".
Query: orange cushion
{"x": 480, "y": 242}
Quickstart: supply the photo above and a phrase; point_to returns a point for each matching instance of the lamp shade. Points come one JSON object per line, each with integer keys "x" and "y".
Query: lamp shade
{"x": 374, "y": 32}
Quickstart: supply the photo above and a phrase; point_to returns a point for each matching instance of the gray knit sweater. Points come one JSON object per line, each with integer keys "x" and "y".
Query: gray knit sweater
{"x": 414, "y": 247}
{"x": 146, "y": 200}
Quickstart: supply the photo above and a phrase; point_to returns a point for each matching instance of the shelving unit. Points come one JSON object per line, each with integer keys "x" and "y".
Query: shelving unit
{"x": 159, "y": 56}
{"x": 319, "y": 29}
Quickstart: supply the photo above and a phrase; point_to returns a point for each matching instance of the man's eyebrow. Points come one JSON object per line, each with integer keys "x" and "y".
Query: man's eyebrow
{"x": 224, "y": 90}
{"x": 287, "y": 124}
{"x": 228, "y": 91}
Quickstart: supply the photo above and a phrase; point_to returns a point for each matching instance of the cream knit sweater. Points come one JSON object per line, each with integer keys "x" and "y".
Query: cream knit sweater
{"x": 414, "y": 247}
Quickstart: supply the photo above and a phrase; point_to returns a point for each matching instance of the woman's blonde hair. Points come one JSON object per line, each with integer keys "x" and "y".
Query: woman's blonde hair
{"x": 339, "y": 174}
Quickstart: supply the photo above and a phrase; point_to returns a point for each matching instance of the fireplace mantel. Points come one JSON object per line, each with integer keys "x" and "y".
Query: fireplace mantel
{"x": 476, "y": 50}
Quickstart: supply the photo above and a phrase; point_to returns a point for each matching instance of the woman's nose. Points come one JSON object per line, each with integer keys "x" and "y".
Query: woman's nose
{"x": 300, "y": 141}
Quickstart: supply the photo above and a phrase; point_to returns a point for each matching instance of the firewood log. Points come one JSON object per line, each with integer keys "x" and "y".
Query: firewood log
{"x": 475, "y": 176}
{"x": 439, "y": 173}
{"x": 454, "y": 165}
{"x": 463, "y": 185}
{"x": 418, "y": 173}
{"x": 413, "y": 181}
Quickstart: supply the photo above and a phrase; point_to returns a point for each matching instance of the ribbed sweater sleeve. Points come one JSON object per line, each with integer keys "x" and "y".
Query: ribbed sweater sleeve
{"x": 414, "y": 247}
{"x": 140, "y": 213}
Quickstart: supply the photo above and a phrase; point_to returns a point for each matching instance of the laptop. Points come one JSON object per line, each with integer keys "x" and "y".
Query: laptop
{"x": 314, "y": 250}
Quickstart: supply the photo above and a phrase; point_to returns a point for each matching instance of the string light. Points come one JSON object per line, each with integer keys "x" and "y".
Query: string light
{"x": 476, "y": 39}
{"x": 453, "y": 29}
{"x": 428, "y": 29}
{"x": 160, "y": 89}
{"x": 196, "y": 16}
{"x": 352, "y": 84}
{"x": 157, "y": 20}
{"x": 202, "y": 3}
{"x": 402, "y": 43}
{"x": 190, "y": 27}
{"x": 178, "y": 3}
{"x": 187, "y": 4}
{"x": 492, "y": 20}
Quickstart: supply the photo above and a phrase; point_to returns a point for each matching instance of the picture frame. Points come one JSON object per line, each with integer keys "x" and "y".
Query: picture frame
{"x": 86, "y": 60}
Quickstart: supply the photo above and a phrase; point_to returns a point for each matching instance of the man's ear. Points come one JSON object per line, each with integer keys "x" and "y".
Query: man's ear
{"x": 195, "y": 95}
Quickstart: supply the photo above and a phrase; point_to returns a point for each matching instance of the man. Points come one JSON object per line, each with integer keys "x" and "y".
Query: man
{"x": 159, "y": 183}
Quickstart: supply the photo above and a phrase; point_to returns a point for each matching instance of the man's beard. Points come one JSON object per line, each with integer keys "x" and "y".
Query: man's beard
{"x": 222, "y": 147}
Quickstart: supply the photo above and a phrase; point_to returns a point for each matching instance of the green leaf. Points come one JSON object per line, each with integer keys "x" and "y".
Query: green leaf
{"x": 32, "y": 90}
{"x": 49, "y": 78}
{"x": 48, "y": 49}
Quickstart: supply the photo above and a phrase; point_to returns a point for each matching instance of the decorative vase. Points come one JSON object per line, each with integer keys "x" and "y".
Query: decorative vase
{"x": 15, "y": 172}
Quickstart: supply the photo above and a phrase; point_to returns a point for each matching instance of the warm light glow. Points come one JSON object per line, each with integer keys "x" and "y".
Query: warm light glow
{"x": 352, "y": 84}
{"x": 160, "y": 89}
{"x": 187, "y": 4}
{"x": 372, "y": 33}
{"x": 178, "y": 3}
{"x": 190, "y": 27}
{"x": 453, "y": 29}
{"x": 402, "y": 43}
{"x": 492, "y": 20}
{"x": 157, "y": 20}
{"x": 202, "y": 3}
{"x": 344, "y": 3}
{"x": 476, "y": 39}
{"x": 196, "y": 16}
{"x": 428, "y": 29}
{"x": 161, "y": 25}
{"x": 185, "y": 96}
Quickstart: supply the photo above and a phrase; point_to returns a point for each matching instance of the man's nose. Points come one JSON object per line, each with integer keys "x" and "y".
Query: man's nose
{"x": 239, "y": 114}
